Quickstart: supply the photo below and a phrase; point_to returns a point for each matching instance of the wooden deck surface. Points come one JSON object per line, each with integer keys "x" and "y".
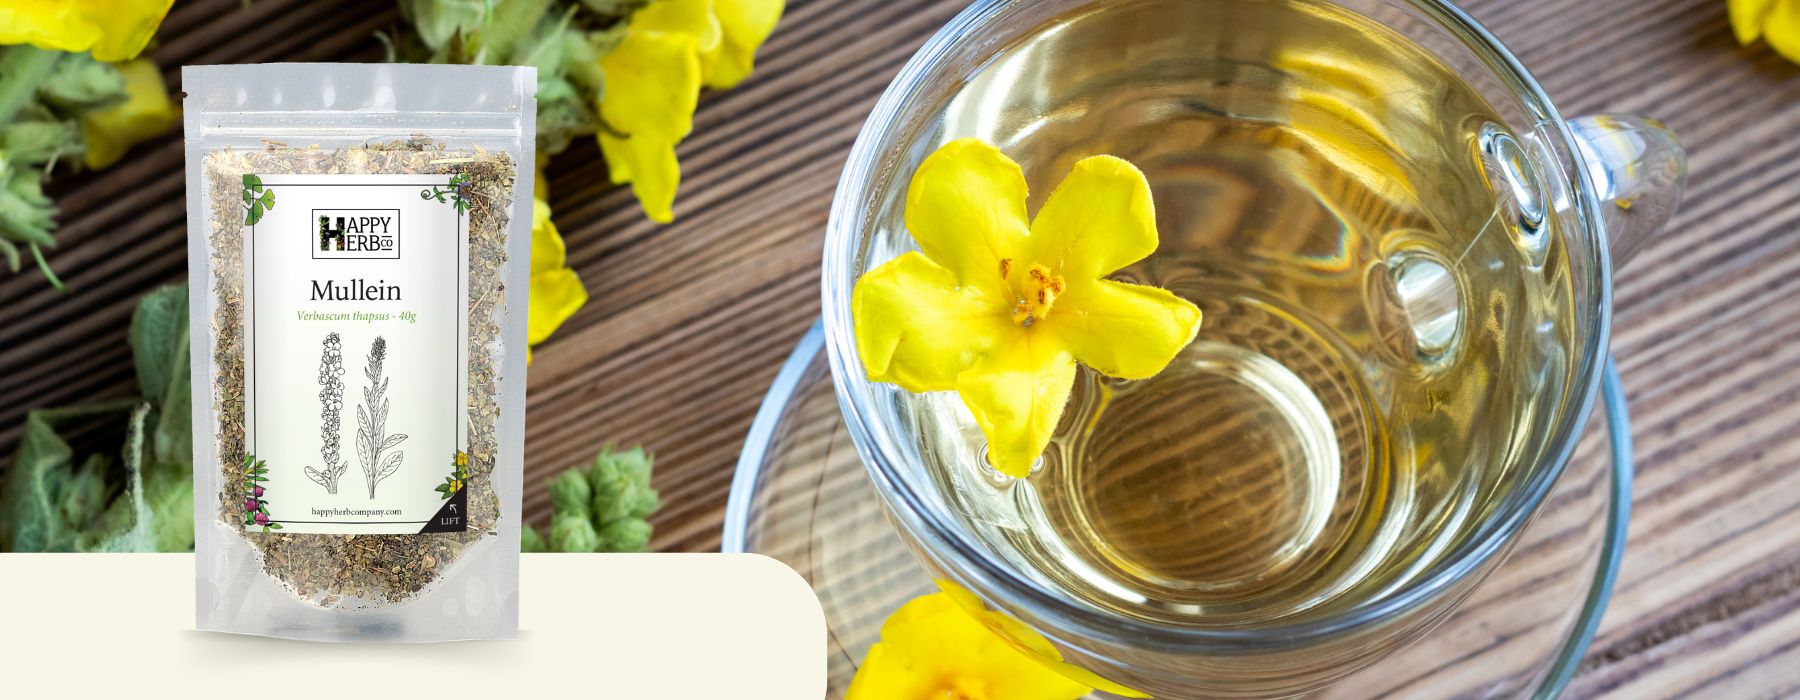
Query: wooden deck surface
{"x": 688, "y": 323}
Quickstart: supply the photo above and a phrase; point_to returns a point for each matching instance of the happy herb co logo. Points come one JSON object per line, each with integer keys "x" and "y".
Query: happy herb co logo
{"x": 356, "y": 233}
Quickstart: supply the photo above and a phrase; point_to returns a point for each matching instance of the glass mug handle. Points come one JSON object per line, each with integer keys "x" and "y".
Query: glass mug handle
{"x": 1638, "y": 169}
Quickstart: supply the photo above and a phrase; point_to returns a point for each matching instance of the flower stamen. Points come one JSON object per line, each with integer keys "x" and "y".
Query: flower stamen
{"x": 1040, "y": 289}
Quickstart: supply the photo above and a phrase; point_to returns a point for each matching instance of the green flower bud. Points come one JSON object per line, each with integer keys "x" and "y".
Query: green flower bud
{"x": 531, "y": 541}
{"x": 570, "y": 494}
{"x": 627, "y": 535}
{"x": 573, "y": 533}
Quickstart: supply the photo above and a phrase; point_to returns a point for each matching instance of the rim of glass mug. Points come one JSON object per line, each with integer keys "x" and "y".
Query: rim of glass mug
{"x": 849, "y": 217}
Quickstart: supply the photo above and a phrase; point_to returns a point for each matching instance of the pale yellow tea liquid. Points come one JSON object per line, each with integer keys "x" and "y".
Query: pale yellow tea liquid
{"x": 1386, "y": 313}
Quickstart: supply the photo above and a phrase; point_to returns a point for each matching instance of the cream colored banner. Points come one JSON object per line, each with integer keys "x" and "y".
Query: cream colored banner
{"x": 591, "y": 626}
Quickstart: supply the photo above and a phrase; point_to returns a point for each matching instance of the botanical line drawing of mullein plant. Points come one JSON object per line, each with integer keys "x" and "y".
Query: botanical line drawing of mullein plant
{"x": 331, "y": 405}
{"x": 371, "y": 420}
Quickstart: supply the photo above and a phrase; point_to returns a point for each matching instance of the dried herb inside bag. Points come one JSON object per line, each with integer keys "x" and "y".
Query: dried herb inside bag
{"x": 365, "y": 254}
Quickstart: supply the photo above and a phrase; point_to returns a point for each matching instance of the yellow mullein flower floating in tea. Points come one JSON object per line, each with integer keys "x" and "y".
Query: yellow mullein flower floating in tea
{"x": 652, "y": 86}
{"x": 1777, "y": 21}
{"x": 556, "y": 291}
{"x": 146, "y": 111}
{"x": 113, "y": 30}
{"x": 933, "y": 648}
{"x": 999, "y": 307}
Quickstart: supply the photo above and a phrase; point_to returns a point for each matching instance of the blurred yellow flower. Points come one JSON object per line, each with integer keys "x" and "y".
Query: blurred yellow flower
{"x": 999, "y": 307}
{"x": 146, "y": 111}
{"x": 652, "y": 84}
{"x": 1776, "y": 21}
{"x": 114, "y": 30}
{"x": 933, "y": 648}
{"x": 744, "y": 25}
{"x": 556, "y": 291}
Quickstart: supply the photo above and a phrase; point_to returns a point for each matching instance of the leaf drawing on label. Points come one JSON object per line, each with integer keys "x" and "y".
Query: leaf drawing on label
{"x": 372, "y": 442}
{"x": 256, "y": 199}
{"x": 331, "y": 404}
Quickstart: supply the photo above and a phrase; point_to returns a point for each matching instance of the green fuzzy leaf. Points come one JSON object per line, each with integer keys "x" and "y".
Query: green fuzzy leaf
{"x": 46, "y": 504}
{"x": 81, "y": 83}
{"x": 38, "y": 139}
{"x": 159, "y": 346}
{"x": 531, "y": 541}
{"x": 24, "y": 68}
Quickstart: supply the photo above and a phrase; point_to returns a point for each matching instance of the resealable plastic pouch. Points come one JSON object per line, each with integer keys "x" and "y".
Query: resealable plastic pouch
{"x": 358, "y": 256}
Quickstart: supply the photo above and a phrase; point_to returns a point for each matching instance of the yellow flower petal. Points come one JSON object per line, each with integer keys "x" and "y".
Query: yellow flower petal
{"x": 746, "y": 24}
{"x": 48, "y": 24}
{"x": 652, "y": 84}
{"x": 694, "y": 18}
{"x": 966, "y": 209}
{"x": 1098, "y": 220}
{"x": 114, "y": 30}
{"x": 1029, "y": 641}
{"x": 1093, "y": 318}
{"x": 1017, "y": 392}
{"x": 546, "y": 242}
{"x": 555, "y": 296}
{"x": 1782, "y": 29}
{"x": 979, "y": 311}
{"x": 618, "y": 158}
{"x": 916, "y": 328}
{"x": 931, "y": 647}
{"x": 1747, "y": 18}
{"x": 146, "y": 112}
{"x": 556, "y": 291}
{"x": 125, "y": 26}
{"x": 649, "y": 164}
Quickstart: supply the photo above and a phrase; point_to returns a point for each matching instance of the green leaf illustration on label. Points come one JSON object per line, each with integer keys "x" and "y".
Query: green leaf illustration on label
{"x": 256, "y": 199}
{"x": 450, "y": 195}
{"x": 372, "y": 442}
{"x": 459, "y": 476}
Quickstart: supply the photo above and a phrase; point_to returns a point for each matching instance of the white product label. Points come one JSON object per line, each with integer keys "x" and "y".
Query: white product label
{"x": 356, "y": 359}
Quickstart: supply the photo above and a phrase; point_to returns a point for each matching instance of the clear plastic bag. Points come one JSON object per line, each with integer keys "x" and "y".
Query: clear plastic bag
{"x": 358, "y": 255}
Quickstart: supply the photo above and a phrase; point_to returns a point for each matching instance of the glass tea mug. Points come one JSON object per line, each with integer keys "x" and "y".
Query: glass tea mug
{"x": 1596, "y": 187}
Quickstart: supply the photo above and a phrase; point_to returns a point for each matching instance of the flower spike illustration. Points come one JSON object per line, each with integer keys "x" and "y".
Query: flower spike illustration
{"x": 372, "y": 441}
{"x": 331, "y": 405}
